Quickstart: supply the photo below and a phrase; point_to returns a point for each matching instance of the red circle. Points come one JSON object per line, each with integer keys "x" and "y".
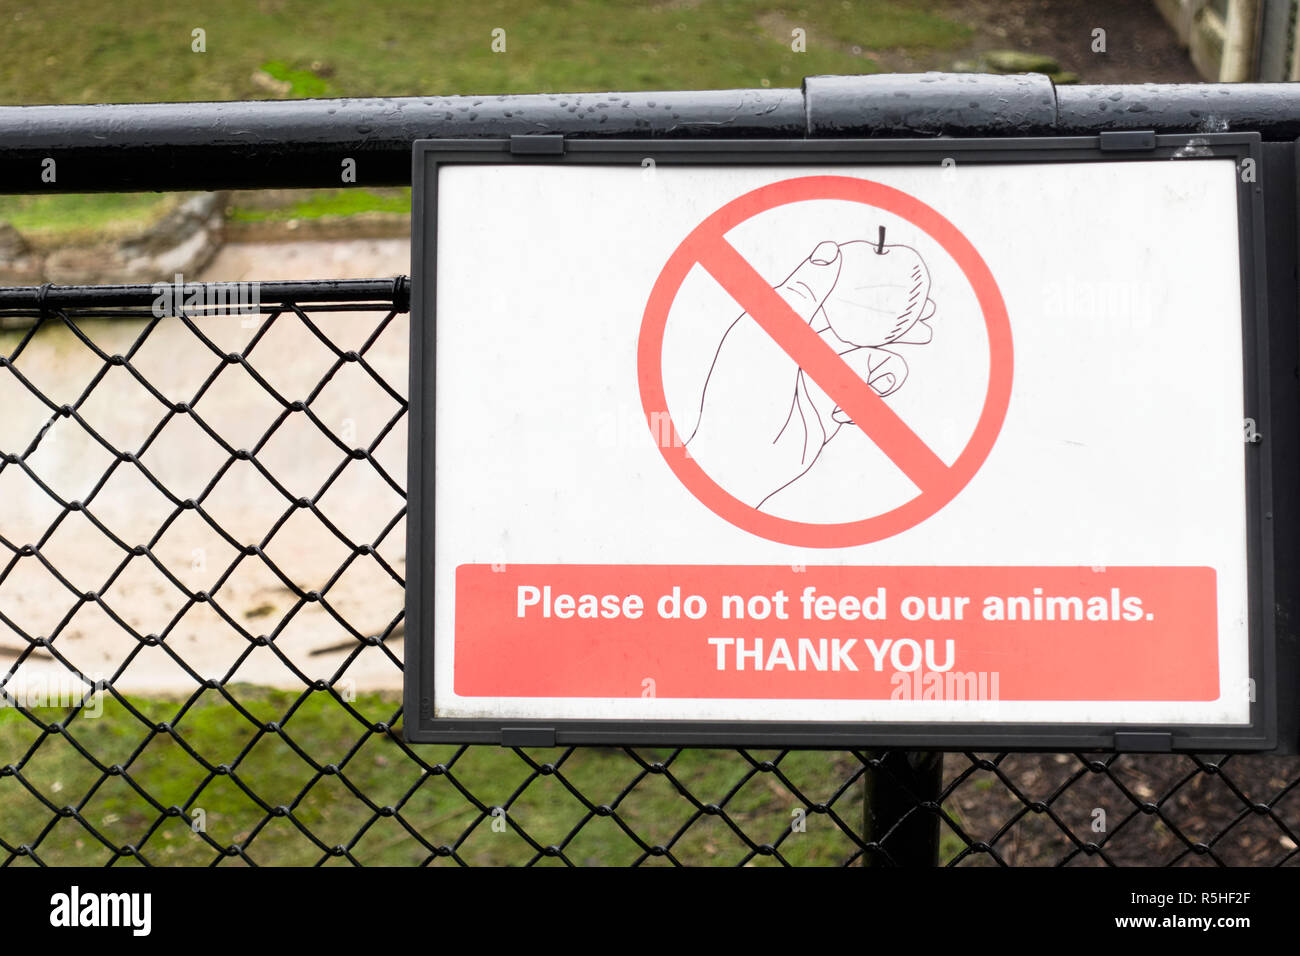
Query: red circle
{"x": 848, "y": 533}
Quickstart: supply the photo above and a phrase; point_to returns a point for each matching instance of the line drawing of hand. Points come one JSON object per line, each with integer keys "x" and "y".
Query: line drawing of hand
{"x": 762, "y": 421}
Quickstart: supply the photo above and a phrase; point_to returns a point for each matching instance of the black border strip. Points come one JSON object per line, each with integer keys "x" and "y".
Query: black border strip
{"x": 422, "y": 727}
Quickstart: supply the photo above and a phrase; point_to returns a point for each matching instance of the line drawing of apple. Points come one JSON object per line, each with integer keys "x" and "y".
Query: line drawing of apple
{"x": 882, "y": 295}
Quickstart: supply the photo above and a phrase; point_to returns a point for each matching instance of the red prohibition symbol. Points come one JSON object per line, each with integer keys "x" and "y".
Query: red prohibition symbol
{"x": 938, "y": 482}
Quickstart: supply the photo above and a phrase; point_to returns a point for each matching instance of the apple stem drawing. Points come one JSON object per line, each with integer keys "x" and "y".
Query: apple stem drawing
{"x": 763, "y": 422}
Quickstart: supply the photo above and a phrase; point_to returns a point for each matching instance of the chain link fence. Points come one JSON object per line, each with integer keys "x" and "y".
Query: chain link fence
{"x": 201, "y": 590}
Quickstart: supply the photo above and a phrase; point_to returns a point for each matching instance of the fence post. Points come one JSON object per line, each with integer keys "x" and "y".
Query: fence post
{"x": 891, "y": 813}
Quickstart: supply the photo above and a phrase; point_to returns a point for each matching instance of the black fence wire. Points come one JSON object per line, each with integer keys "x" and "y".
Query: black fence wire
{"x": 201, "y": 590}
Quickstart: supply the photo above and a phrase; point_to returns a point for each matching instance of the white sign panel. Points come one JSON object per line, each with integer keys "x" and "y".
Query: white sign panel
{"x": 856, "y": 443}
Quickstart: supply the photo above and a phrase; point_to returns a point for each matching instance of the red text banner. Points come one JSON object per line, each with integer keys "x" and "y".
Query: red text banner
{"x": 837, "y": 633}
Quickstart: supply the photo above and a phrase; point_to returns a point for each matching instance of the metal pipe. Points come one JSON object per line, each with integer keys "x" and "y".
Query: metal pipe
{"x": 160, "y": 146}
{"x": 900, "y": 810}
{"x": 270, "y": 294}
{"x": 303, "y": 143}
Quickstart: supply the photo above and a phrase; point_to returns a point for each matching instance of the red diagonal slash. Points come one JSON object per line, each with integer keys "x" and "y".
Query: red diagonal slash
{"x": 818, "y": 360}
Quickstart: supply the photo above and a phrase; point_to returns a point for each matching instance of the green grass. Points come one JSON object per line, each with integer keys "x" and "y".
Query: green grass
{"x": 66, "y": 217}
{"x": 77, "y": 51}
{"x": 303, "y": 84}
{"x": 374, "y": 765}
{"x": 315, "y": 204}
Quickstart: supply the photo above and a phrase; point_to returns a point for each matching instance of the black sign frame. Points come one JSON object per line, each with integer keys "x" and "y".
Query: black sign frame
{"x": 420, "y": 723}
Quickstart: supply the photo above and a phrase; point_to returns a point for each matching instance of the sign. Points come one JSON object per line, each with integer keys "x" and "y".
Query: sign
{"x": 930, "y": 444}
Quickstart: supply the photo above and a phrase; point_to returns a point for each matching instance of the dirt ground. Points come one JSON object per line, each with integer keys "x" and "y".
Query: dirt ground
{"x": 1209, "y": 801}
{"x": 1140, "y": 46}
